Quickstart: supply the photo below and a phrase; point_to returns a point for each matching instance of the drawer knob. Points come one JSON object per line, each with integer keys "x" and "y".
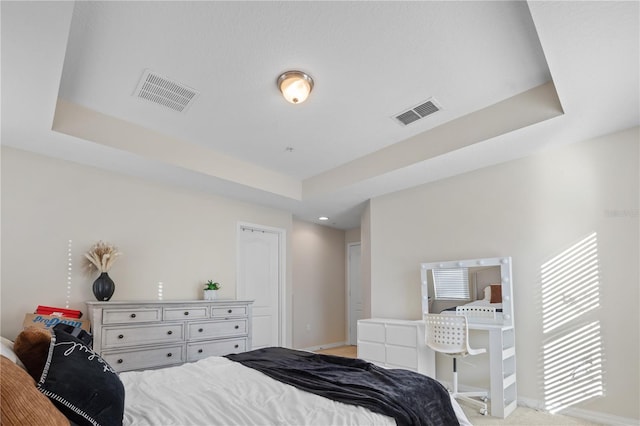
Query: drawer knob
{"x": 186, "y": 312}
{"x": 120, "y": 336}
{"x": 237, "y": 327}
{"x": 200, "y": 330}
{"x": 120, "y": 361}
{"x": 133, "y": 315}
{"x": 169, "y": 332}
{"x": 169, "y": 355}
{"x": 229, "y": 311}
{"x": 237, "y": 346}
{"x": 199, "y": 351}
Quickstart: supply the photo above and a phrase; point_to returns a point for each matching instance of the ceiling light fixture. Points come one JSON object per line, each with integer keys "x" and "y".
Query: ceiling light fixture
{"x": 323, "y": 218}
{"x": 295, "y": 86}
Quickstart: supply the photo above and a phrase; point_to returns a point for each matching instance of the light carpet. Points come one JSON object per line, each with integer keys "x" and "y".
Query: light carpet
{"x": 524, "y": 416}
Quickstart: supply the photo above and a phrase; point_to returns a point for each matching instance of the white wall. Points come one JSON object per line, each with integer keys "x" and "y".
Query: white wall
{"x": 170, "y": 235}
{"x": 319, "y": 285}
{"x": 531, "y": 209}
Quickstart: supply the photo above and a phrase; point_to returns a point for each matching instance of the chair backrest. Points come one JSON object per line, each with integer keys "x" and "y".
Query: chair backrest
{"x": 448, "y": 334}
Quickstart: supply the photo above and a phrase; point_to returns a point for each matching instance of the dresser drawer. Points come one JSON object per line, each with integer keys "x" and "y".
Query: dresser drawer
{"x": 402, "y": 335}
{"x": 142, "y": 359}
{"x": 206, "y": 330}
{"x": 131, "y": 316}
{"x": 373, "y": 332}
{"x": 228, "y": 311}
{"x": 403, "y": 357}
{"x": 371, "y": 351}
{"x": 128, "y": 336}
{"x": 186, "y": 313}
{"x": 196, "y": 351}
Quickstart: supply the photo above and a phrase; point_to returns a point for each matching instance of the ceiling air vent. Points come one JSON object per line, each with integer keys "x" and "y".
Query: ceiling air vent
{"x": 416, "y": 113}
{"x": 164, "y": 91}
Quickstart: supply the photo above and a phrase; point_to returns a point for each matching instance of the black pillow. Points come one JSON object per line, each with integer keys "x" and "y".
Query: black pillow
{"x": 80, "y": 383}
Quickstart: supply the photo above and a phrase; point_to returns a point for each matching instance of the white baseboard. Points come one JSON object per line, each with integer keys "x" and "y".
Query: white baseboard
{"x": 326, "y": 346}
{"x": 592, "y": 416}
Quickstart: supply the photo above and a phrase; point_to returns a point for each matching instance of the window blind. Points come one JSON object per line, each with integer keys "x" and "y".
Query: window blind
{"x": 451, "y": 283}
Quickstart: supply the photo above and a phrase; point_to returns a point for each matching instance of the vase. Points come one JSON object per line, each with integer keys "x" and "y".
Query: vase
{"x": 210, "y": 294}
{"x": 103, "y": 287}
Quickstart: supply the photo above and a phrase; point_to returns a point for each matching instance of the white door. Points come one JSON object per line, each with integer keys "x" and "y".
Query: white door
{"x": 355, "y": 291}
{"x": 259, "y": 280}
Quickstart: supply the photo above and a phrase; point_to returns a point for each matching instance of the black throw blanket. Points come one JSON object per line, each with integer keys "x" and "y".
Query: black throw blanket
{"x": 410, "y": 398}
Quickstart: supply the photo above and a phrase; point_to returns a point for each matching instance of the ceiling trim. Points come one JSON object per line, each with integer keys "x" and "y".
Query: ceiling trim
{"x": 84, "y": 123}
{"x": 525, "y": 109}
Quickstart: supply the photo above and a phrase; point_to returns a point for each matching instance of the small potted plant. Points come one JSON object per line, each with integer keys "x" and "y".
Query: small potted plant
{"x": 211, "y": 290}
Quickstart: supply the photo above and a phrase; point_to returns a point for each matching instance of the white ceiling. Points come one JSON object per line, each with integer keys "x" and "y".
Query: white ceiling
{"x": 511, "y": 77}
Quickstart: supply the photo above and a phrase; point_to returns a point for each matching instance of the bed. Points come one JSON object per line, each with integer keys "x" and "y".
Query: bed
{"x": 267, "y": 386}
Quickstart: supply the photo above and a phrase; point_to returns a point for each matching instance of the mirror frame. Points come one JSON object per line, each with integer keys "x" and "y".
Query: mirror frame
{"x": 505, "y": 263}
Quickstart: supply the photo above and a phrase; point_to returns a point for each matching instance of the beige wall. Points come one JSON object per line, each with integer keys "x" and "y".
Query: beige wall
{"x": 169, "y": 235}
{"x": 319, "y": 285}
{"x": 531, "y": 209}
{"x": 352, "y": 236}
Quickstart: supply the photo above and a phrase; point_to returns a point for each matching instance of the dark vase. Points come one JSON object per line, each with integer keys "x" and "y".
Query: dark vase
{"x": 103, "y": 287}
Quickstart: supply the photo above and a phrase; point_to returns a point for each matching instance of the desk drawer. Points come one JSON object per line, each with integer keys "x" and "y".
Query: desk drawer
{"x": 145, "y": 358}
{"x": 196, "y": 351}
{"x": 128, "y": 336}
{"x": 207, "y": 330}
{"x": 131, "y": 316}
{"x": 186, "y": 313}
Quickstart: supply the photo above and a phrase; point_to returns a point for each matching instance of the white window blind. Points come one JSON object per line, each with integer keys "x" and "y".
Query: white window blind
{"x": 451, "y": 283}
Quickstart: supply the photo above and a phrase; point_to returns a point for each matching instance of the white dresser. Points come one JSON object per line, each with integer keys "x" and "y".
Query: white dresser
{"x": 393, "y": 343}
{"x": 137, "y": 335}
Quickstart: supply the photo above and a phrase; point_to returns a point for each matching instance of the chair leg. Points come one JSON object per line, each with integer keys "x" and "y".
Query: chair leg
{"x": 455, "y": 377}
{"x": 466, "y": 396}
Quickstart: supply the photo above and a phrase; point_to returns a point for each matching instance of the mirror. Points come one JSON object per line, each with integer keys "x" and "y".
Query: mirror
{"x": 481, "y": 289}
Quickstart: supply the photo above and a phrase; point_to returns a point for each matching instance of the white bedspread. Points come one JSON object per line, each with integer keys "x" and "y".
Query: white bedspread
{"x": 217, "y": 391}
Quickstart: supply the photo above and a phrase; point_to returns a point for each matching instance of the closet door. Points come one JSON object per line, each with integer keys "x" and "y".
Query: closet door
{"x": 259, "y": 280}
{"x": 355, "y": 310}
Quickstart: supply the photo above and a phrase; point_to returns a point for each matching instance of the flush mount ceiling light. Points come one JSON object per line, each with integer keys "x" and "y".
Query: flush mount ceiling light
{"x": 295, "y": 86}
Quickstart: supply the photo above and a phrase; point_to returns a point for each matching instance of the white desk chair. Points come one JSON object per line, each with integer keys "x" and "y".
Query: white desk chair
{"x": 449, "y": 334}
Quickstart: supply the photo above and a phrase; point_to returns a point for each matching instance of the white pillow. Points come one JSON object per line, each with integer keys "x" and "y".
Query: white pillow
{"x": 6, "y": 349}
{"x": 487, "y": 293}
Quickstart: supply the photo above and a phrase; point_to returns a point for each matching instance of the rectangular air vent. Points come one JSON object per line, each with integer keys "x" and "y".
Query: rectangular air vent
{"x": 416, "y": 113}
{"x": 164, "y": 91}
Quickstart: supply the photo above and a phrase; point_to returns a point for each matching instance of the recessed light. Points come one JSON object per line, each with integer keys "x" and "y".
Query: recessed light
{"x": 323, "y": 218}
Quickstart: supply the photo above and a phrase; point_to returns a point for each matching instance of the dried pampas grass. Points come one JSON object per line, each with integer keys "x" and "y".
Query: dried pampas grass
{"x": 102, "y": 256}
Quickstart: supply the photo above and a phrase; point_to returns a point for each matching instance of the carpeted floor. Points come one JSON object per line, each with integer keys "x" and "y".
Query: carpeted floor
{"x": 521, "y": 416}
{"x": 524, "y": 416}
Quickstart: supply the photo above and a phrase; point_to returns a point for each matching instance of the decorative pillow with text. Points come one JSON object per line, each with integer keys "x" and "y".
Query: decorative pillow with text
{"x": 80, "y": 383}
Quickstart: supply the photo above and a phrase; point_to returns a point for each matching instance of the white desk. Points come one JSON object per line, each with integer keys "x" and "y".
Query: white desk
{"x": 502, "y": 347}
{"x": 502, "y": 367}
{"x": 396, "y": 343}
